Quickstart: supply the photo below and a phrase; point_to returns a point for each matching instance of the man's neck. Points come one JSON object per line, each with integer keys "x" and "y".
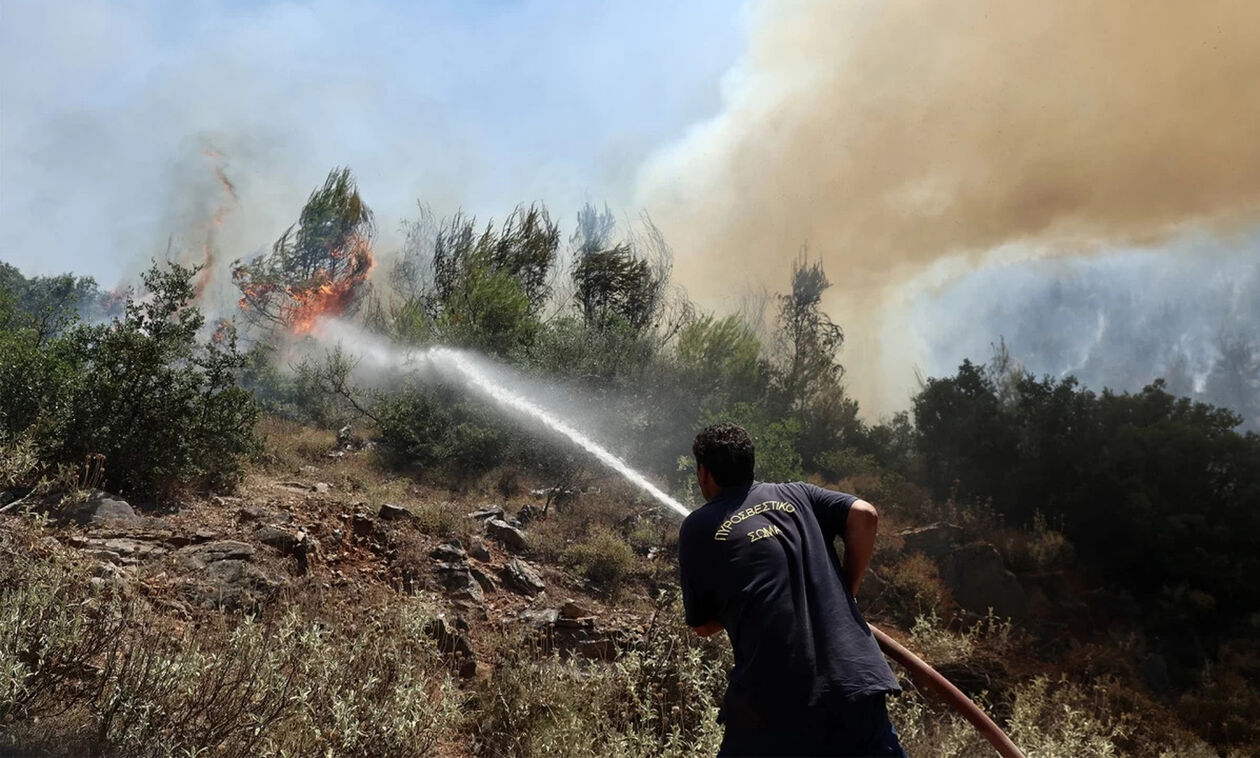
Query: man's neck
{"x": 732, "y": 489}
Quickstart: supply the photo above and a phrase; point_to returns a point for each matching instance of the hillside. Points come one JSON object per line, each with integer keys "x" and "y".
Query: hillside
{"x": 331, "y": 605}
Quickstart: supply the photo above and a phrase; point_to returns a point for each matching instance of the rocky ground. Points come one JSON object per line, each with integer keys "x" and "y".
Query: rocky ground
{"x": 292, "y": 537}
{"x": 335, "y": 531}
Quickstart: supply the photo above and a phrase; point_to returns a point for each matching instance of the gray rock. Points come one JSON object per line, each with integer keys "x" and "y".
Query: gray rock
{"x": 284, "y": 540}
{"x": 255, "y": 513}
{"x": 321, "y": 488}
{"x": 540, "y": 617}
{"x": 979, "y": 581}
{"x": 231, "y": 584}
{"x": 101, "y": 508}
{"x": 574, "y": 610}
{"x": 477, "y": 549}
{"x": 129, "y": 548}
{"x": 201, "y": 556}
{"x": 459, "y": 583}
{"x": 935, "y": 540}
{"x": 493, "y": 511}
{"x": 449, "y": 552}
{"x": 511, "y": 537}
{"x": 486, "y": 580}
{"x": 527, "y": 513}
{"x": 223, "y": 575}
{"x": 362, "y": 524}
{"x": 520, "y": 577}
{"x": 394, "y": 512}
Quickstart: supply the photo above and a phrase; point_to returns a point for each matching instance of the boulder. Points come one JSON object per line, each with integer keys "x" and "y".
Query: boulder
{"x": 394, "y": 513}
{"x": 130, "y": 550}
{"x": 511, "y": 537}
{"x": 493, "y": 511}
{"x": 458, "y": 582}
{"x": 574, "y": 610}
{"x": 935, "y": 540}
{"x": 520, "y": 577}
{"x": 256, "y": 513}
{"x": 477, "y": 549}
{"x": 284, "y": 540}
{"x": 223, "y": 575}
{"x": 200, "y": 556}
{"x": 362, "y": 525}
{"x": 542, "y": 617}
{"x": 485, "y": 579}
{"x": 979, "y": 581}
{"x": 101, "y": 508}
{"x": 449, "y": 551}
{"x": 527, "y": 513}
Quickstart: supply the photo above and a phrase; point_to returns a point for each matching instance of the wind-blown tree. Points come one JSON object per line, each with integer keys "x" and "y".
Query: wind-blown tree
{"x": 319, "y": 266}
{"x": 522, "y": 249}
{"x": 808, "y": 375}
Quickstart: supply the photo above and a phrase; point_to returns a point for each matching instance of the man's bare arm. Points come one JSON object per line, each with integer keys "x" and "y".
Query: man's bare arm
{"x": 859, "y": 542}
{"x": 709, "y": 629}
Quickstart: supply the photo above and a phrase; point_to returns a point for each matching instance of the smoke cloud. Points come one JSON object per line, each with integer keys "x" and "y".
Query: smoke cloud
{"x": 891, "y": 136}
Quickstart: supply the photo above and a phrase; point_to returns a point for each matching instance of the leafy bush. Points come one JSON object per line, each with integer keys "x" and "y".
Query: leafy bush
{"x": 431, "y": 426}
{"x": 912, "y": 588}
{"x": 141, "y": 391}
{"x": 603, "y": 558}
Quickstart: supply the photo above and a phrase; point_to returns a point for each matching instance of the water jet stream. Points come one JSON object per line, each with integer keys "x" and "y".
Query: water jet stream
{"x": 516, "y": 402}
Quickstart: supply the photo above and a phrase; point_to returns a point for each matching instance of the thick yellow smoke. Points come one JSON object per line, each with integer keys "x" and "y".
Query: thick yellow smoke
{"x": 891, "y": 135}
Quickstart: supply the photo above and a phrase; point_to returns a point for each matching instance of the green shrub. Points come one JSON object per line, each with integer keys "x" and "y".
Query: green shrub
{"x": 434, "y": 426}
{"x": 163, "y": 409}
{"x": 912, "y": 588}
{"x": 603, "y": 558}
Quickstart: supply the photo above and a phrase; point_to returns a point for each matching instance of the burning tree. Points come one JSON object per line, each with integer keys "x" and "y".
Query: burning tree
{"x": 318, "y": 267}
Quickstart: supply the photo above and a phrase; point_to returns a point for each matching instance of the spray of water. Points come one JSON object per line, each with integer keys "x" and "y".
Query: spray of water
{"x": 476, "y": 378}
{"x": 505, "y": 397}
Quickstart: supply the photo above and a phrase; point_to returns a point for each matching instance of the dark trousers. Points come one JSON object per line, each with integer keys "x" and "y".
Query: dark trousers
{"x": 852, "y": 728}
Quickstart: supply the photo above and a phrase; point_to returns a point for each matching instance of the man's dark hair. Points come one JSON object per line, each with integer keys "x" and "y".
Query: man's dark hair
{"x": 728, "y": 452}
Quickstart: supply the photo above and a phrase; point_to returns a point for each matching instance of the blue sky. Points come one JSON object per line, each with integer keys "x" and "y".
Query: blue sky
{"x": 107, "y": 106}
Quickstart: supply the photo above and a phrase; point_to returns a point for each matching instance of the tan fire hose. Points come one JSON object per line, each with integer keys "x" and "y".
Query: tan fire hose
{"x": 926, "y": 676}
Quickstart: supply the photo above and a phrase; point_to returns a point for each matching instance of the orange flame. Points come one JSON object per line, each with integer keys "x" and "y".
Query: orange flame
{"x": 228, "y": 202}
{"x": 329, "y": 295}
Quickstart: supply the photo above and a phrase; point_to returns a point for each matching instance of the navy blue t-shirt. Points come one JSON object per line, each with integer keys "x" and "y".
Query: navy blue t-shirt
{"x": 760, "y": 559}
